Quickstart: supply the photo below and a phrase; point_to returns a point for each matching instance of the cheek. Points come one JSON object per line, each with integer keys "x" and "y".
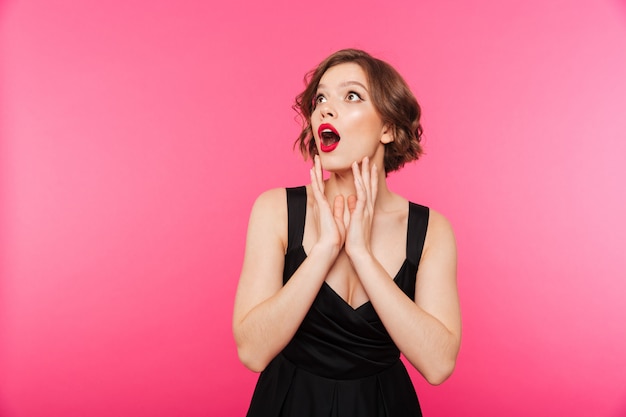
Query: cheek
{"x": 366, "y": 116}
{"x": 359, "y": 119}
{"x": 367, "y": 124}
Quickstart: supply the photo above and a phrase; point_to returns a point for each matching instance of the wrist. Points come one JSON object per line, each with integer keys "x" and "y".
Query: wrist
{"x": 326, "y": 251}
{"x": 359, "y": 256}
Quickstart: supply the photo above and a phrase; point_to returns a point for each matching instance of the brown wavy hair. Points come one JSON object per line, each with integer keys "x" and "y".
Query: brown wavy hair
{"x": 392, "y": 99}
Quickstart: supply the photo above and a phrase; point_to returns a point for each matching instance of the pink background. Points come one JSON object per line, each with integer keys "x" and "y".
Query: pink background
{"x": 135, "y": 136}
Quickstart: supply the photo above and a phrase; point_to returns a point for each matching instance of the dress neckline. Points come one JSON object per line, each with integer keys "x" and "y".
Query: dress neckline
{"x": 341, "y": 299}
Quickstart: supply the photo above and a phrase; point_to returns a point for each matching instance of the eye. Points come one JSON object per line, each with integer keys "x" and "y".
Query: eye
{"x": 318, "y": 100}
{"x": 352, "y": 96}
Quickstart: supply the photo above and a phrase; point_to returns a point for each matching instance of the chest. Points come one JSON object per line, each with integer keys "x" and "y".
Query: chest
{"x": 388, "y": 243}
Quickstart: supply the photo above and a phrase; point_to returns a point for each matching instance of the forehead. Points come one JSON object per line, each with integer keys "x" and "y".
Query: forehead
{"x": 343, "y": 73}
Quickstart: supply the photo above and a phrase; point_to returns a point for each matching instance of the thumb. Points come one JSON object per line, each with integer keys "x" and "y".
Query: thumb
{"x": 352, "y": 203}
{"x": 338, "y": 206}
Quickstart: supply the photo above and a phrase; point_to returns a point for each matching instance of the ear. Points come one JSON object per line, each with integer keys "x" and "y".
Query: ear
{"x": 387, "y": 134}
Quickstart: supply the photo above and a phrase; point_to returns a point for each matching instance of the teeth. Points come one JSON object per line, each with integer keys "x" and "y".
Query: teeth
{"x": 326, "y": 131}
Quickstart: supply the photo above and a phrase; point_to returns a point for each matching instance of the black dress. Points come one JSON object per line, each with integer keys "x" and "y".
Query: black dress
{"x": 341, "y": 361}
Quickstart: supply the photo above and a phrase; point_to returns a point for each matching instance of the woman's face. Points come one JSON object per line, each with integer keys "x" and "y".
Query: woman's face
{"x": 345, "y": 123}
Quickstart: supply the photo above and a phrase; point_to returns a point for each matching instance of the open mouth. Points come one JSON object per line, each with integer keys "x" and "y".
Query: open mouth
{"x": 329, "y": 138}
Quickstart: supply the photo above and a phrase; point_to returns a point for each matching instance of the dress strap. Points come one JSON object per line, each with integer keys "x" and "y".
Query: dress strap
{"x": 296, "y": 209}
{"x": 416, "y": 232}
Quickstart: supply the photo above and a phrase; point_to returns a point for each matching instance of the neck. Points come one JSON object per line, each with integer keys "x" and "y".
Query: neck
{"x": 342, "y": 183}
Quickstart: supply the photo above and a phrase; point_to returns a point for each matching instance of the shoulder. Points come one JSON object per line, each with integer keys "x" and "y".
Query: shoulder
{"x": 276, "y": 198}
{"x": 273, "y": 199}
{"x": 270, "y": 208}
{"x": 268, "y": 219}
{"x": 438, "y": 221}
{"x": 440, "y": 234}
{"x": 267, "y": 224}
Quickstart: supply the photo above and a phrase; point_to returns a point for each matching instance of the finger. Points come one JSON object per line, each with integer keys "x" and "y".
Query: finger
{"x": 346, "y": 214}
{"x": 358, "y": 183}
{"x": 361, "y": 197}
{"x": 318, "y": 173}
{"x": 338, "y": 206}
{"x": 318, "y": 193}
{"x": 365, "y": 174}
{"x": 350, "y": 213}
{"x": 351, "y": 203}
{"x": 374, "y": 184}
{"x": 314, "y": 184}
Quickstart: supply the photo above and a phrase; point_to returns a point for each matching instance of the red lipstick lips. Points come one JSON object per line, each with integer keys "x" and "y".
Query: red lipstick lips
{"x": 329, "y": 138}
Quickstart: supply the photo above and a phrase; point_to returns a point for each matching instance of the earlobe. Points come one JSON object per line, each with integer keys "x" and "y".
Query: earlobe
{"x": 387, "y": 136}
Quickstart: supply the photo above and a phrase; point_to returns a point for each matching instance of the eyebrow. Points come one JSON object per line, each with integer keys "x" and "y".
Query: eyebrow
{"x": 345, "y": 84}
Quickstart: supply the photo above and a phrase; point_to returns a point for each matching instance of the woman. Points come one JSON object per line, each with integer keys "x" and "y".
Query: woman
{"x": 341, "y": 276}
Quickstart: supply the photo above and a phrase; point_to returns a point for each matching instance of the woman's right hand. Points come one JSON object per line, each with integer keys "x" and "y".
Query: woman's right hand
{"x": 331, "y": 230}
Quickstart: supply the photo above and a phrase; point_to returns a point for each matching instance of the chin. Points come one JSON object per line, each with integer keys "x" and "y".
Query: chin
{"x": 335, "y": 166}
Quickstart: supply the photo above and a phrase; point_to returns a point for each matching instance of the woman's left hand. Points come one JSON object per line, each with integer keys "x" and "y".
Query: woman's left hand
{"x": 361, "y": 208}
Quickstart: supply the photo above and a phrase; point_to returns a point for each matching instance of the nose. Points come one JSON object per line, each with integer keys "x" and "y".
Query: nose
{"x": 326, "y": 110}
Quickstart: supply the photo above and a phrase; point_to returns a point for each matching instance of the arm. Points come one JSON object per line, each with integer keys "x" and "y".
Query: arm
{"x": 267, "y": 314}
{"x": 427, "y": 331}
